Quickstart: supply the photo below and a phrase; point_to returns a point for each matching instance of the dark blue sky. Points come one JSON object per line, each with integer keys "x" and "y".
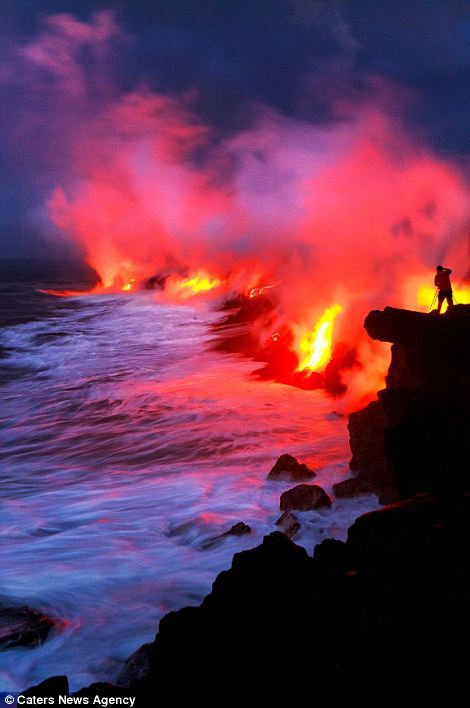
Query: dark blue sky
{"x": 288, "y": 54}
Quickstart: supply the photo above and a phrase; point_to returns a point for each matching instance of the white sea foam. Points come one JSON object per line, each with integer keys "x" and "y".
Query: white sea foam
{"x": 125, "y": 444}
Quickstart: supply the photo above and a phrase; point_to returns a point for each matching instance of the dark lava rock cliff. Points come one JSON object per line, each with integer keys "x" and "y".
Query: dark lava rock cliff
{"x": 414, "y": 438}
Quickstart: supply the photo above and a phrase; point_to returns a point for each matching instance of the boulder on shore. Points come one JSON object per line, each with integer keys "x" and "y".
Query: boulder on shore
{"x": 352, "y": 487}
{"x": 288, "y": 469}
{"x": 304, "y": 497}
{"x": 288, "y": 524}
{"x": 24, "y": 627}
{"x": 238, "y": 529}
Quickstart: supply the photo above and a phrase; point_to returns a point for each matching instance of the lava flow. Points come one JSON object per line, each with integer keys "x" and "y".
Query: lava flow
{"x": 315, "y": 347}
{"x": 129, "y": 285}
{"x": 194, "y": 285}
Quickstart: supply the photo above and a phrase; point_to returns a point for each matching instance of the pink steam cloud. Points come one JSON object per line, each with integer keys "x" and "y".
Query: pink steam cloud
{"x": 346, "y": 211}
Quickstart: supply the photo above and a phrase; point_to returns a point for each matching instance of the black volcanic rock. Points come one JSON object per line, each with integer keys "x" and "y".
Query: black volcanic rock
{"x": 250, "y": 310}
{"x": 422, "y": 538}
{"x": 136, "y": 666}
{"x": 352, "y": 487}
{"x": 238, "y": 529}
{"x": 368, "y": 445}
{"x": 254, "y": 608}
{"x": 343, "y": 358}
{"x": 430, "y": 351}
{"x": 235, "y": 302}
{"x": 333, "y": 557}
{"x": 288, "y": 524}
{"x": 287, "y": 468}
{"x": 373, "y": 612}
{"x": 415, "y": 438}
{"x": 388, "y": 608}
{"x": 52, "y": 687}
{"x": 155, "y": 282}
{"x": 304, "y": 497}
{"x": 24, "y": 627}
{"x": 105, "y": 690}
{"x": 59, "y": 686}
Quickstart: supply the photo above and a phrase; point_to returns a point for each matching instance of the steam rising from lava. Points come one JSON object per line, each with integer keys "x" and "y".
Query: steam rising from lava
{"x": 347, "y": 212}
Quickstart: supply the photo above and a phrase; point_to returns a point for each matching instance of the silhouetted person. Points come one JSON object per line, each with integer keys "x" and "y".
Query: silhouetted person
{"x": 442, "y": 283}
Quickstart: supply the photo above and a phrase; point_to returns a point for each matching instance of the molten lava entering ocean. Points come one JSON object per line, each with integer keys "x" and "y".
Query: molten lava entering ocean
{"x": 315, "y": 347}
{"x": 305, "y": 213}
{"x": 307, "y": 357}
{"x": 194, "y": 285}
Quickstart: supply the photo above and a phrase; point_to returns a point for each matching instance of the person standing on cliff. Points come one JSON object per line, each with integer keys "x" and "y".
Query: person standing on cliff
{"x": 444, "y": 287}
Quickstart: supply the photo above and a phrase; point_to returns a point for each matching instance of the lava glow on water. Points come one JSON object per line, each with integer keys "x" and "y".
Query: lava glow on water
{"x": 126, "y": 446}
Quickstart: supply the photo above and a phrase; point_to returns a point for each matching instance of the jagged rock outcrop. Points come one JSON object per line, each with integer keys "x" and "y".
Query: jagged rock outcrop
{"x": 334, "y": 558}
{"x": 24, "y": 627}
{"x": 51, "y": 688}
{"x": 304, "y": 497}
{"x": 372, "y": 612}
{"x": 414, "y": 438}
{"x": 287, "y": 468}
{"x": 136, "y": 666}
{"x": 288, "y": 524}
{"x": 238, "y": 529}
{"x": 388, "y": 608}
{"x": 353, "y": 487}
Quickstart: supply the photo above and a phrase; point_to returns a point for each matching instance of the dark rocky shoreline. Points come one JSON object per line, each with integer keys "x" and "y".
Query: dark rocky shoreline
{"x": 386, "y": 611}
{"x": 414, "y": 438}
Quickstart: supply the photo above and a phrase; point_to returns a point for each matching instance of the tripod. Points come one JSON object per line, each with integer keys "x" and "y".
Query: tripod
{"x": 433, "y": 300}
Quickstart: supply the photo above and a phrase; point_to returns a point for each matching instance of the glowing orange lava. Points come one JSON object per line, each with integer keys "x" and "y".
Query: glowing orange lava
{"x": 315, "y": 347}
{"x": 428, "y": 296}
{"x": 198, "y": 283}
{"x": 129, "y": 285}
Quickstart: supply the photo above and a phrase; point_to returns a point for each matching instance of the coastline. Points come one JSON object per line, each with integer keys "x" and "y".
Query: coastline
{"x": 374, "y": 608}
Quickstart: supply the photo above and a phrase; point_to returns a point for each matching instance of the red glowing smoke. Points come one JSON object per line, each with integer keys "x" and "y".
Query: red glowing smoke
{"x": 355, "y": 211}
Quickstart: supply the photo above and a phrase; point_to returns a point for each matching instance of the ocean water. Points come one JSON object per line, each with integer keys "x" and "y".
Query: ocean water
{"x": 126, "y": 446}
